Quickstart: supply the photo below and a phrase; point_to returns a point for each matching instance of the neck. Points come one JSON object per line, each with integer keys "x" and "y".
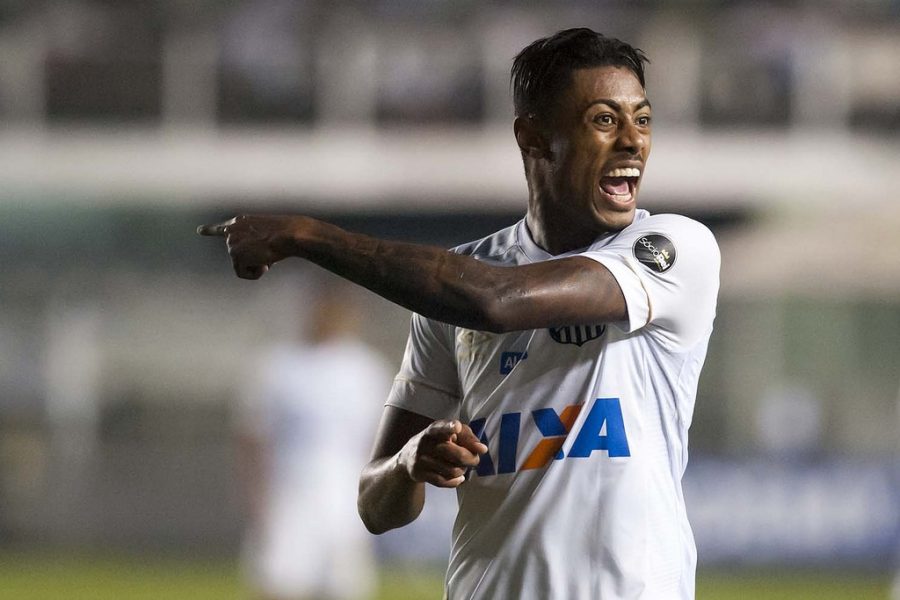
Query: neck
{"x": 552, "y": 231}
{"x": 552, "y": 223}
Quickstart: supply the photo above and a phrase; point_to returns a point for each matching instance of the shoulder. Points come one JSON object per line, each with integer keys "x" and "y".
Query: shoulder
{"x": 493, "y": 245}
{"x": 658, "y": 241}
{"x": 676, "y": 225}
{"x": 664, "y": 246}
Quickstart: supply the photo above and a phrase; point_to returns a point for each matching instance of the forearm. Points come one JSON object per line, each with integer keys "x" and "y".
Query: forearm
{"x": 388, "y": 498}
{"x": 428, "y": 280}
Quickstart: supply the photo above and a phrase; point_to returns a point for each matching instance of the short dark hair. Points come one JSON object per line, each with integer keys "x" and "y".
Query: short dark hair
{"x": 544, "y": 69}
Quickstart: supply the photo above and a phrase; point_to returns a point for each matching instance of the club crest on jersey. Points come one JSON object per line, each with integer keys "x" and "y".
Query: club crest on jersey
{"x": 655, "y": 251}
{"x": 576, "y": 334}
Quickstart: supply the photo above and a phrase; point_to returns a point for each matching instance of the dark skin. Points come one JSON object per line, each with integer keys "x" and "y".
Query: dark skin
{"x": 600, "y": 124}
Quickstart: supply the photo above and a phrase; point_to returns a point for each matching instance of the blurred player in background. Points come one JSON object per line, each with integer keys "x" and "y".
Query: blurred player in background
{"x": 895, "y": 586}
{"x": 304, "y": 423}
{"x": 552, "y": 367}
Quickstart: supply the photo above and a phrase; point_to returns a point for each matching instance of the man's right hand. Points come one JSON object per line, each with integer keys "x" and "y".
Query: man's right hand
{"x": 256, "y": 242}
{"x": 441, "y": 454}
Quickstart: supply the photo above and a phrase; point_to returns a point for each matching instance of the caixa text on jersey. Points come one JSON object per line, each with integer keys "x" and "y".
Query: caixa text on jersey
{"x": 602, "y": 430}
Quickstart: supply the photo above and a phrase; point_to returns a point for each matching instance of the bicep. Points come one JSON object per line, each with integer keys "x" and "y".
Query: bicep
{"x": 396, "y": 428}
{"x": 567, "y": 291}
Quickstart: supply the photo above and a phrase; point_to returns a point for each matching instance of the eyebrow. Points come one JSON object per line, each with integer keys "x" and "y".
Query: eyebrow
{"x": 618, "y": 106}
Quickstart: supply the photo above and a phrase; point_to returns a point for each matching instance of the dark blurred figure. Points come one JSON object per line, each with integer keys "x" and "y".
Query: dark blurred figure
{"x": 305, "y": 423}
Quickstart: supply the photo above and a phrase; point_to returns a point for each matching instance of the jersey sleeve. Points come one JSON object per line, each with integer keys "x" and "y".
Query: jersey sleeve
{"x": 428, "y": 383}
{"x": 667, "y": 267}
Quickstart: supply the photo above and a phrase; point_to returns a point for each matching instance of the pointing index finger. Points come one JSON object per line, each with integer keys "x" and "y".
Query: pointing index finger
{"x": 468, "y": 440}
{"x": 217, "y": 229}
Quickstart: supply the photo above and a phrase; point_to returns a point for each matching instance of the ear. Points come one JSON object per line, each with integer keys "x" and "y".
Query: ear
{"x": 530, "y": 138}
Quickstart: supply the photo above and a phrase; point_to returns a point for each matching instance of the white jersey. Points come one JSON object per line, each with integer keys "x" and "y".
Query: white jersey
{"x": 314, "y": 408}
{"x": 579, "y": 496}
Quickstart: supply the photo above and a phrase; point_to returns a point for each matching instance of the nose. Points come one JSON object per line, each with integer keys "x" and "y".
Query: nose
{"x": 629, "y": 139}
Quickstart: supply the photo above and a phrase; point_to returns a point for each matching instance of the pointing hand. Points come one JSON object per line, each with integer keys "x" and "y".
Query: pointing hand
{"x": 442, "y": 453}
{"x": 256, "y": 242}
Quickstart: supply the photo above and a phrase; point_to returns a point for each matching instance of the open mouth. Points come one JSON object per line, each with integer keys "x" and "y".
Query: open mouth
{"x": 618, "y": 185}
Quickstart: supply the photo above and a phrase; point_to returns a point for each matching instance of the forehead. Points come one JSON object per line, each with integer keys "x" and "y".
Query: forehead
{"x": 612, "y": 83}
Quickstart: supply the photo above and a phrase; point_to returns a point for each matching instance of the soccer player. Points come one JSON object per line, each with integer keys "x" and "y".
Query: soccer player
{"x": 297, "y": 402}
{"x": 551, "y": 367}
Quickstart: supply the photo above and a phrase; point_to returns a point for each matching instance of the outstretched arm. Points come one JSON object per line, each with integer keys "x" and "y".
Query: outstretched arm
{"x": 431, "y": 281}
{"x": 412, "y": 450}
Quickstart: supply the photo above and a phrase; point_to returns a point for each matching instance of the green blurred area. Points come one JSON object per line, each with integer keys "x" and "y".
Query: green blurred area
{"x": 29, "y": 576}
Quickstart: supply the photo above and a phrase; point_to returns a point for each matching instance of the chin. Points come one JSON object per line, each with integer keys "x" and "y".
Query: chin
{"x": 616, "y": 220}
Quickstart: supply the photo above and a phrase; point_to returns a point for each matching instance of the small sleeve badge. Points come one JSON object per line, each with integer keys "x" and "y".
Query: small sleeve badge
{"x": 655, "y": 251}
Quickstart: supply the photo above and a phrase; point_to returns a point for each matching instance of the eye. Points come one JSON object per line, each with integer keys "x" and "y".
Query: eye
{"x": 643, "y": 120}
{"x": 604, "y": 119}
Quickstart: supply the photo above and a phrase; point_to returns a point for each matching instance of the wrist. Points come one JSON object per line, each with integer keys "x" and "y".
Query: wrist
{"x": 312, "y": 239}
{"x": 401, "y": 468}
{"x": 295, "y": 238}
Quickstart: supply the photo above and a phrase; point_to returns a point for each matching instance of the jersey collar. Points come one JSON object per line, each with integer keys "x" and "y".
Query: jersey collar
{"x": 535, "y": 253}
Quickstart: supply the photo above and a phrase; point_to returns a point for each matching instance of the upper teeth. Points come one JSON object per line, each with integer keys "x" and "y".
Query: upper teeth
{"x": 629, "y": 172}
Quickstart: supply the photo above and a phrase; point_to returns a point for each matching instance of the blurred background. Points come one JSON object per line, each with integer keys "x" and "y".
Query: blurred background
{"x": 125, "y": 339}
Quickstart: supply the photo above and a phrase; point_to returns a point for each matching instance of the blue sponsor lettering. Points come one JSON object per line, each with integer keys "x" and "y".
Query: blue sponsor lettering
{"x": 486, "y": 465}
{"x": 602, "y": 429}
{"x": 606, "y": 411}
{"x": 508, "y": 360}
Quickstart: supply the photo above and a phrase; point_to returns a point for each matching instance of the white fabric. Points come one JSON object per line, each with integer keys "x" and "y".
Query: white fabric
{"x": 314, "y": 408}
{"x": 608, "y": 521}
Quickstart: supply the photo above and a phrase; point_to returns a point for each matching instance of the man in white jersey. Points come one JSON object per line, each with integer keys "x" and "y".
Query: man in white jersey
{"x": 551, "y": 369}
{"x": 298, "y": 400}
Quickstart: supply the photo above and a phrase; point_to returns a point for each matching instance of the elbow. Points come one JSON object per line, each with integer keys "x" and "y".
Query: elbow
{"x": 365, "y": 514}
{"x": 491, "y": 325}
{"x": 493, "y": 314}
{"x": 370, "y": 525}
{"x": 382, "y": 510}
{"x": 368, "y": 512}
{"x": 481, "y": 301}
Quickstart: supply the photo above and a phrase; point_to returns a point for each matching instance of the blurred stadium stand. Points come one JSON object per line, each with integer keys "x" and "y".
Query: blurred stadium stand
{"x": 125, "y": 124}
